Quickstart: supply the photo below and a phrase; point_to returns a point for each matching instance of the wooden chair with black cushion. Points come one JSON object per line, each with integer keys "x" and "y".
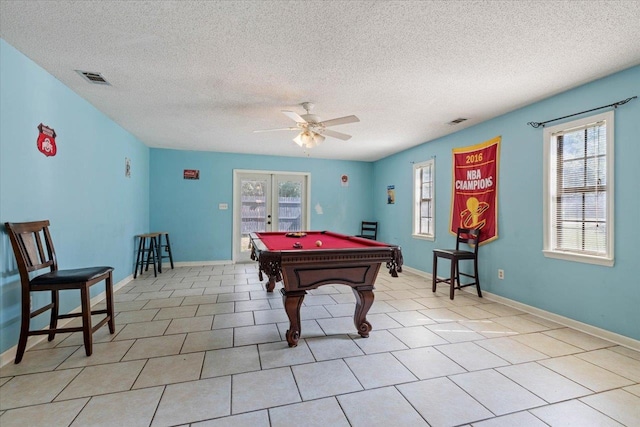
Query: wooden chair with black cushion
{"x": 470, "y": 237}
{"x": 368, "y": 230}
{"x": 31, "y": 256}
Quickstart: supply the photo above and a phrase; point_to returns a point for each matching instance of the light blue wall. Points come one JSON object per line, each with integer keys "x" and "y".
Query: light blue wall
{"x": 199, "y": 231}
{"x": 94, "y": 210}
{"x": 605, "y": 297}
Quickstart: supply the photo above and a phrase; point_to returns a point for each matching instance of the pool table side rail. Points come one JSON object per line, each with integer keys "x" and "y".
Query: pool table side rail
{"x": 270, "y": 262}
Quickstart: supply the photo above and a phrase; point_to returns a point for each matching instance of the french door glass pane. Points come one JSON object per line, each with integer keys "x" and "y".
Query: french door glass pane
{"x": 253, "y": 209}
{"x": 289, "y": 206}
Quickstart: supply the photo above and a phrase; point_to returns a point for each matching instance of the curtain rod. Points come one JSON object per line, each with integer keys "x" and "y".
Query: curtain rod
{"x": 615, "y": 105}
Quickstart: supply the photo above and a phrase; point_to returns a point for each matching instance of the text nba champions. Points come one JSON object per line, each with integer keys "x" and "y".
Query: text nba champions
{"x": 474, "y": 179}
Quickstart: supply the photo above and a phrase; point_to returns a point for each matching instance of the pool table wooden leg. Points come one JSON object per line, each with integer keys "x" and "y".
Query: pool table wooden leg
{"x": 271, "y": 284}
{"x": 292, "y": 302}
{"x": 364, "y": 300}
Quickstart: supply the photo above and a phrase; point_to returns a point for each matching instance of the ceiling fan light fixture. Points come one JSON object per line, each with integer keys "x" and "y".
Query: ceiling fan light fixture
{"x": 308, "y": 139}
{"x": 298, "y": 139}
{"x": 318, "y": 139}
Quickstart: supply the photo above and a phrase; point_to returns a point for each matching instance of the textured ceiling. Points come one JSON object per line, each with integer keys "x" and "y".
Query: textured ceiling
{"x": 202, "y": 75}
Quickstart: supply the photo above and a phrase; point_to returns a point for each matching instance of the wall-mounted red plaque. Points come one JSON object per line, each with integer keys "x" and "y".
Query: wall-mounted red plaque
{"x": 47, "y": 141}
{"x": 191, "y": 174}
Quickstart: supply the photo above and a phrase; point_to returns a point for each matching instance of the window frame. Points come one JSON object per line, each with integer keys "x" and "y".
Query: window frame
{"x": 549, "y": 194}
{"x": 417, "y": 200}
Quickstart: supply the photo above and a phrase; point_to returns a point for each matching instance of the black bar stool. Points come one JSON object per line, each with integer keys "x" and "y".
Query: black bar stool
{"x": 147, "y": 253}
{"x": 164, "y": 249}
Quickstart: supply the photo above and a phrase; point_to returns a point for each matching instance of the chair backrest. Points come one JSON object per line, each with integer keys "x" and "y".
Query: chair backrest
{"x": 470, "y": 236}
{"x": 369, "y": 229}
{"x": 27, "y": 242}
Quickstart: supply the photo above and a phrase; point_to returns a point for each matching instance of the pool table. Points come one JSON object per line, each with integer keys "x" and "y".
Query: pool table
{"x": 307, "y": 260}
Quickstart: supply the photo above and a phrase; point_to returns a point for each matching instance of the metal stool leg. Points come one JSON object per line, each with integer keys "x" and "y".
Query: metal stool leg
{"x": 151, "y": 255}
{"x": 164, "y": 248}
{"x": 159, "y": 252}
{"x": 139, "y": 257}
{"x": 168, "y": 247}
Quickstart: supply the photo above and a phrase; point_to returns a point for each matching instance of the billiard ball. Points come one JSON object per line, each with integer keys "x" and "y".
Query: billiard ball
{"x": 318, "y": 243}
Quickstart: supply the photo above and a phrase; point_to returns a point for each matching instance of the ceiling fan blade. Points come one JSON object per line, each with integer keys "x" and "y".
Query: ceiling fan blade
{"x": 271, "y": 130}
{"x": 334, "y": 134}
{"x": 293, "y": 115}
{"x": 339, "y": 121}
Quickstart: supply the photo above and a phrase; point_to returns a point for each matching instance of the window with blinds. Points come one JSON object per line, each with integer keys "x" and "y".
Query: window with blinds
{"x": 579, "y": 190}
{"x": 423, "y": 199}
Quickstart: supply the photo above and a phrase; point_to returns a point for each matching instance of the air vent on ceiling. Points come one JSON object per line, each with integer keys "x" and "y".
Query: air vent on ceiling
{"x": 92, "y": 77}
{"x": 456, "y": 121}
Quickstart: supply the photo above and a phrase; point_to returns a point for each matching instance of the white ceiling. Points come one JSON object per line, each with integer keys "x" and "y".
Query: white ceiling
{"x": 202, "y": 75}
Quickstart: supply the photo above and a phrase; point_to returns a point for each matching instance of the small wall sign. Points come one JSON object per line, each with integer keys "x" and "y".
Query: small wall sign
{"x": 391, "y": 194}
{"x": 47, "y": 140}
{"x": 191, "y": 174}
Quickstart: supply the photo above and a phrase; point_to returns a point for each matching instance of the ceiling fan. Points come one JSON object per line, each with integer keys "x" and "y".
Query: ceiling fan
{"x": 312, "y": 129}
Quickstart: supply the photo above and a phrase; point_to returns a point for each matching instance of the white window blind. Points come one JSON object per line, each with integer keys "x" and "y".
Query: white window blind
{"x": 423, "y": 212}
{"x": 581, "y": 215}
{"x": 579, "y": 192}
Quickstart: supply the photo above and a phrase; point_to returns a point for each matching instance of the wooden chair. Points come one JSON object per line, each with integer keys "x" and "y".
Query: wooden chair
{"x": 368, "y": 230}
{"x": 31, "y": 255}
{"x": 470, "y": 237}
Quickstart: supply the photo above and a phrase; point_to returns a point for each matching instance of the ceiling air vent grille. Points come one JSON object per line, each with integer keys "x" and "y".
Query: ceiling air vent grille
{"x": 456, "y": 121}
{"x": 92, "y": 77}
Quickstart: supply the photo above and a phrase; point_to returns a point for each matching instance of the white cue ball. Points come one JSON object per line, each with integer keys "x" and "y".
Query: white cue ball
{"x": 318, "y": 243}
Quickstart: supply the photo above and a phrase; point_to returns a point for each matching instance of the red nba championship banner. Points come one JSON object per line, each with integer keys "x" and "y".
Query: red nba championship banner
{"x": 474, "y": 202}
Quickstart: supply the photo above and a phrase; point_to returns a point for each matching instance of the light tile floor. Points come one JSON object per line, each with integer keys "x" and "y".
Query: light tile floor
{"x": 204, "y": 346}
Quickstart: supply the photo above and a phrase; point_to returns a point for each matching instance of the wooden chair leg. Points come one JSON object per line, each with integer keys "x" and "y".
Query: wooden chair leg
{"x": 475, "y": 267}
{"x": 86, "y": 320}
{"x": 452, "y": 278}
{"x": 53, "y": 324}
{"x": 24, "y": 330}
{"x": 110, "y": 310}
{"x": 434, "y": 276}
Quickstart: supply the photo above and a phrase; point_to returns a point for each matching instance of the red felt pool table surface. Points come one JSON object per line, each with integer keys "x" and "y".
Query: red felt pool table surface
{"x": 279, "y": 241}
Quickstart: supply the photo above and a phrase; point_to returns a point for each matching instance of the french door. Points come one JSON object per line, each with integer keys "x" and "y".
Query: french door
{"x": 267, "y": 201}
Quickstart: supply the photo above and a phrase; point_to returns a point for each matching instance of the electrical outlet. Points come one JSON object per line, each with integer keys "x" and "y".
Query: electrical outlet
{"x": 500, "y": 274}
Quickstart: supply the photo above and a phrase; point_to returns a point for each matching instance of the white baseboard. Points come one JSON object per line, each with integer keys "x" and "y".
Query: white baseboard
{"x": 10, "y": 355}
{"x": 197, "y": 263}
{"x": 417, "y": 272}
{"x": 564, "y": 321}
